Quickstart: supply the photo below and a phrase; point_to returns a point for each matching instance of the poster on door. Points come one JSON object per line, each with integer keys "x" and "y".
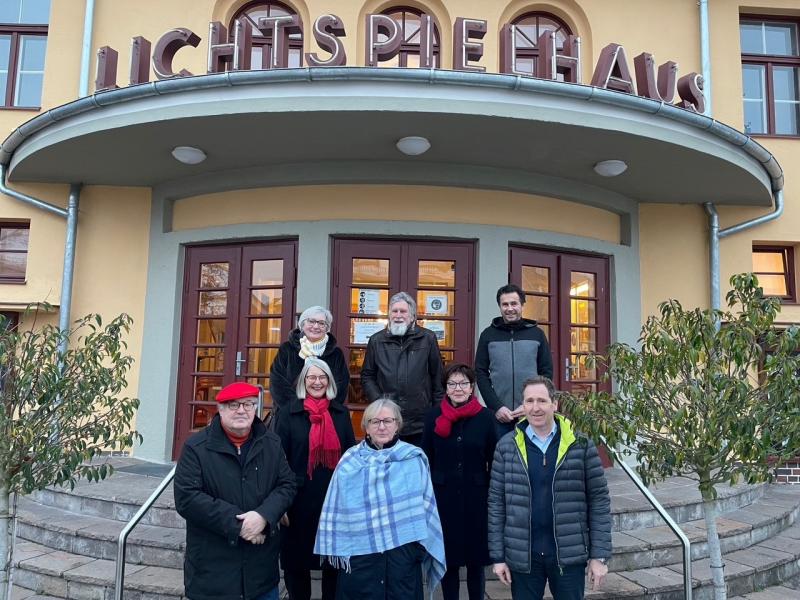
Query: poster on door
{"x": 436, "y": 304}
{"x": 362, "y": 330}
{"x": 369, "y": 302}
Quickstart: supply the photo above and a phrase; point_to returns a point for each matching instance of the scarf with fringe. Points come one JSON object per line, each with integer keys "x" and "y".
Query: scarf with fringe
{"x": 379, "y": 500}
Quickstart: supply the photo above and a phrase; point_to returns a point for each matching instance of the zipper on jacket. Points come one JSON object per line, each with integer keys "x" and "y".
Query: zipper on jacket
{"x": 513, "y": 376}
{"x": 530, "y": 509}
{"x": 553, "y": 503}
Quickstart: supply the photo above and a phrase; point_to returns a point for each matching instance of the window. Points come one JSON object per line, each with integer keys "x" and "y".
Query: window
{"x": 409, "y": 24}
{"x": 528, "y": 29}
{"x": 774, "y": 266}
{"x": 23, "y": 42}
{"x": 13, "y": 252}
{"x": 262, "y": 45}
{"x": 770, "y": 69}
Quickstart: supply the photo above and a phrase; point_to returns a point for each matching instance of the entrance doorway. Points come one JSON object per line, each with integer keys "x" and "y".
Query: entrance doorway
{"x": 366, "y": 273}
{"x": 238, "y": 305}
{"x": 568, "y": 295}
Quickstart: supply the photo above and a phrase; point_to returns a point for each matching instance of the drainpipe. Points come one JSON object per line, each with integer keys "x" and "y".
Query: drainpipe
{"x": 716, "y": 234}
{"x": 86, "y": 53}
{"x": 69, "y": 262}
{"x": 71, "y": 214}
{"x": 705, "y": 54}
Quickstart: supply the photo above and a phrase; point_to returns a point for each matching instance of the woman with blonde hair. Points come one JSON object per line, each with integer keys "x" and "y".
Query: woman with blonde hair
{"x": 315, "y": 431}
{"x": 379, "y": 523}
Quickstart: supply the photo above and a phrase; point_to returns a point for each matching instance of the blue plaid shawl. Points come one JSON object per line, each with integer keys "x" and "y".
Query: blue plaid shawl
{"x": 379, "y": 500}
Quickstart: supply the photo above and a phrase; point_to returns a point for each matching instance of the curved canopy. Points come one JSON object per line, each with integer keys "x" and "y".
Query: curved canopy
{"x": 340, "y": 125}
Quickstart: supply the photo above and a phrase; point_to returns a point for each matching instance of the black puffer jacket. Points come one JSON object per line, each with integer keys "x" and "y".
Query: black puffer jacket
{"x": 581, "y": 504}
{"x": 288, "y": 364}
{"x": 409, "y": 369}
{"x": 211, "y": 488}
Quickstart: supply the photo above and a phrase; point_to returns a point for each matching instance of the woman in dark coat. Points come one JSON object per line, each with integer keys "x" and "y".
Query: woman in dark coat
{"x": 315, "y": 430}
{"x": 459, "y": 440}
{"x": 312, "y": 338}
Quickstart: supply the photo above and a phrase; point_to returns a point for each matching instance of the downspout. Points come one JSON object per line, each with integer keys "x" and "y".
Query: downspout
{"x": 715, "y": 233}
{"x": 705, "y": 54}
{"x": 71, "y": 214}
{"x": 69, "y": 263}
{"x": 86, "y": 52}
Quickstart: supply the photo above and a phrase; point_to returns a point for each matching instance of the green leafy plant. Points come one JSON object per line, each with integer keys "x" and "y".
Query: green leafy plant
{"x": 712, "y": 395}
{"x": 61, "y": 406}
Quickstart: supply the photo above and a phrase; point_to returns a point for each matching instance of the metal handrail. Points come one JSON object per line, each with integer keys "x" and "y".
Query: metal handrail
{"x": 123, "y": 535}
{"x": 687, "y": 553}
{"x": 122, "y": 541}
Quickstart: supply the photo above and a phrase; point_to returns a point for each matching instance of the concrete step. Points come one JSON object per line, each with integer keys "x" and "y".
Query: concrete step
{"x": 120, "y": 496}
{"x": 97, "y": 537}
{"x": 777, "y": 509}
{"x": 42, "y": 571}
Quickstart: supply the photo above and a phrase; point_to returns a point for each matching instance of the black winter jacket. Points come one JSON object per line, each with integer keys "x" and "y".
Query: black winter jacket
{"x": 581, "y": 504}
{"x": 507, "y": 355}
{"x": 292, "y": 425}
{"x": 407, "y": 368}
{"x": 288, "y": 364}
{"x": 211, "y": 488}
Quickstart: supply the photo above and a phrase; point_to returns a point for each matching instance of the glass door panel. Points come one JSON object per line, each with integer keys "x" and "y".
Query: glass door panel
{"x": 368, "y": 272}
{"x": 236, "y": 311}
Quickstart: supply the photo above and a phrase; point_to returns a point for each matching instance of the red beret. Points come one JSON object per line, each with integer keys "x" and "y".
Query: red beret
{"x": 237, "y": 391}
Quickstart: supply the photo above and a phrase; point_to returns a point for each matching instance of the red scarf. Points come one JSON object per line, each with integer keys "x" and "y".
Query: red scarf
{"x": 237, "y": 440}
{"x": 324, "y": 447}
{"x": 451, "y": 414}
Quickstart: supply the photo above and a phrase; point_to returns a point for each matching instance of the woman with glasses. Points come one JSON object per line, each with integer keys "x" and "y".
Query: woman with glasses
{"x": 315, "y": 431}
{"x": 459, "y": 439}
{"x": 311, "y": 339}
{"x": 379, "y": 523}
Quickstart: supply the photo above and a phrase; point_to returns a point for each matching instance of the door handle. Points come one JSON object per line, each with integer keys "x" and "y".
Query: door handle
{"x": 568, "y": 368}
{"x": 239, "y": 362}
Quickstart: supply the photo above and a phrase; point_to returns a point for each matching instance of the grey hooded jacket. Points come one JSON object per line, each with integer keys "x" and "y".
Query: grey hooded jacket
{"x": 581, "y": 504}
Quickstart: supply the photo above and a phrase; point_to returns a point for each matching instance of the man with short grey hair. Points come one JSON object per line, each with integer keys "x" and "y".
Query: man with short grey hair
{"x": 403, "y": 362}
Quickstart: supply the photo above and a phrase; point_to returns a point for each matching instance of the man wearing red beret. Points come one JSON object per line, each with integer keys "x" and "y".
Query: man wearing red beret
{"x": 232, "y": 485}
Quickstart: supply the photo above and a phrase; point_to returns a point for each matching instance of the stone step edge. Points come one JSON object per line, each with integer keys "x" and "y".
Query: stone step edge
{"x": 162, "y": 513}
{"x": 663, "y": 553}
{"x": 86, "y": 575}
{"x": 626, "y": 519}
{"x": 140, "y": 550}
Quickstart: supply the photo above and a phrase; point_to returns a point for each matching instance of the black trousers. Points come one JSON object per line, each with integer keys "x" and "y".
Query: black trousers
{"x": 476, "y": 583}
{"x": 392, "y": 575}
{"x": 298, "y": 583}
{"x": 567, "y": 583}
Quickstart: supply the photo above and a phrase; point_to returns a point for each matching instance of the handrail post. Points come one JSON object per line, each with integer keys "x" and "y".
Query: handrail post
{"x": 123, "y": 535}
{"x": 687, "y": 549}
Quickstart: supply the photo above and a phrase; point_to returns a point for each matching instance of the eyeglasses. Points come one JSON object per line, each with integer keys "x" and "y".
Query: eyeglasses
{"x": 313, "y": 378}
{"x": 451, "y": 385}
{"x": 234, "y": 406}
{"x": 315, "y": 323}
{"x": 387, "y": 422}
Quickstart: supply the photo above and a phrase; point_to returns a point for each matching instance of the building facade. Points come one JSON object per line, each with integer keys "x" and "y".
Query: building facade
{"x": 232, "y": 162}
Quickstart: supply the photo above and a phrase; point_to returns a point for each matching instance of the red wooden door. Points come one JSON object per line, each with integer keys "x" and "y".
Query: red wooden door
{"x": 368, "y": 272}
{"x": 237, "y": 309}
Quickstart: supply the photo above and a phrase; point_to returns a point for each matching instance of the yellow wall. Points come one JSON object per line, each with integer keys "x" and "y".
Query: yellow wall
{"x": 673, "y": 238}
{"x": 415, "y": 203}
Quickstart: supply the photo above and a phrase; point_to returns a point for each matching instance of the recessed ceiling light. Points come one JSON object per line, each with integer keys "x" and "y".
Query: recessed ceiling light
{"x": 188, "y": 155}
{"x": 610, "y": 168}
{"x": 413, "y": 145}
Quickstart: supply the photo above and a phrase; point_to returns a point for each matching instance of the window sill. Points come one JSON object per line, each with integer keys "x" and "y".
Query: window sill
{"x": 12, "y": 281}
{"x": 22, "y": 108}
{"x": 775, "y": 136}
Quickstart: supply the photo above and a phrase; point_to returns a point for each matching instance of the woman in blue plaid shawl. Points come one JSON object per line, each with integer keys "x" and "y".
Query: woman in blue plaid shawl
{"x": 379, "y": 523}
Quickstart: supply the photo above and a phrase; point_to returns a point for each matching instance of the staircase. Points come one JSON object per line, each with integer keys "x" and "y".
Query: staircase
{"x": 67, "y": 541}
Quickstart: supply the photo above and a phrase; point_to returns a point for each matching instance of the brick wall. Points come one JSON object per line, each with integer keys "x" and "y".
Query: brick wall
{"x": 789, "y": 473}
